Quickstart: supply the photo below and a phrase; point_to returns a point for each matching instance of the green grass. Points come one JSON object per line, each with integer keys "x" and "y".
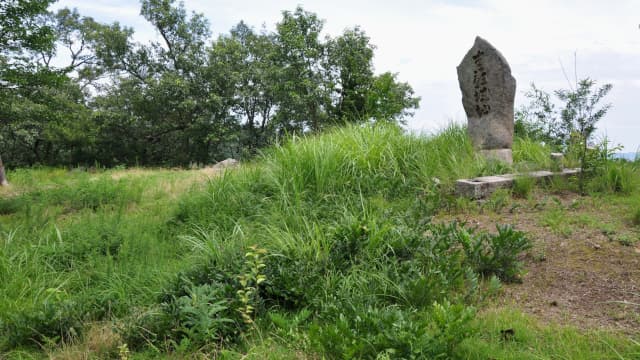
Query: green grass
{"x": 322, "y": 246}
{"x": 531, "y": 340}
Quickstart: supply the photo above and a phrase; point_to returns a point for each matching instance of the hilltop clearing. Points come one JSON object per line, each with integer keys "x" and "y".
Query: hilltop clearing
{"x": 341, "y": 245}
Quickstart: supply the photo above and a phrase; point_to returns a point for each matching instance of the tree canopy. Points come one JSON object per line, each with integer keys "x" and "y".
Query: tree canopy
{"x": 187, "y": 98}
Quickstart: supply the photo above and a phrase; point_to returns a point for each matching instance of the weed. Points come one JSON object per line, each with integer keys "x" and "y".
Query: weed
{"x": 200, "y": 314}
{"x": 249, "y": 280}
{"x": 498, "y": 200}
{"x": 609, "y": 231}
{"x": 626, "y": 240}
{"x": 523, "y": 186}
{"x": 635, "y": 216}
{"x": 557, "y": 221}
{"x": 615, "y": 177}
{"x": 498, "y": 254}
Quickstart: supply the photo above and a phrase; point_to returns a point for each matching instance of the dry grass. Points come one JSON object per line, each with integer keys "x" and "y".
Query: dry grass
{"x": 99, "y": 342}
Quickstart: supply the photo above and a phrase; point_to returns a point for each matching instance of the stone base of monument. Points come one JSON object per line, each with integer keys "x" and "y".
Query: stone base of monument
{"x": 481, "y": 187}
{"x": 503, "y": 155}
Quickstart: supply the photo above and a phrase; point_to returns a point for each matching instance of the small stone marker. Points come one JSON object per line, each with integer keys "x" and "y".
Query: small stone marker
{"x": 226, "y": 163}
{"x": 488, "y": 92}
{"x": 556, "y": 161}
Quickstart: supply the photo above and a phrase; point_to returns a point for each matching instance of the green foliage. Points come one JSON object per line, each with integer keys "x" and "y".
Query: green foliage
{"x": 379, "y": 333}
{"x": 530, "y": 154}
{"x": 498, "y": 254}
{"x": 536, "y": 121}
{"x": 571, "y": 128}
{"x": 574, "y": 122}
{"x": 498, "y": 200}
{"x": 390, "y": 100}
{"x": 324, "y": 247}
{"x": 23, "y": 27}
{"x": 523, "y": 186}
{"x": 198, "y": 313}
{"x": 185, "y": 99}
{"x": 250, "y": 280}
{"x": 343, "y": 218}
{"x": 608, "y": 174}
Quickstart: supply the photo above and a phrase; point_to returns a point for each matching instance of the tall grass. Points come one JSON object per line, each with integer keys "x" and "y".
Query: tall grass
{"x": 342, "y": 218}
{"x": 531, "y": 155}
{"x": 75, "y": 248}
{"x": 330, "y": 232}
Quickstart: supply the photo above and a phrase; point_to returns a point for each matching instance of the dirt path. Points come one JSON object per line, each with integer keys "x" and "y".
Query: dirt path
{"x": 584, "y": 268}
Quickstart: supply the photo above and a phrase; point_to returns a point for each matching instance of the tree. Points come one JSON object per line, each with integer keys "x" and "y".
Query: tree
{"x": 247, "y": 60}
{"x": 580, "y": 115}
{"x": 351, "y": 61}
{"x": 302, "y": 90}
{"x": 23, "y": 28}
{"x": 183, "y": 98}
{"x": 172, "y": 104}
{"x": 537, "y": 120}
{"x": 572, "y": 127}
{"x": 390, "y": 100}
{"x": 46, "y": 119}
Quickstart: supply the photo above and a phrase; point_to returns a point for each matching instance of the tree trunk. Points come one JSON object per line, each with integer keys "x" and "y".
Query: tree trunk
{"x": 3, "y": 178}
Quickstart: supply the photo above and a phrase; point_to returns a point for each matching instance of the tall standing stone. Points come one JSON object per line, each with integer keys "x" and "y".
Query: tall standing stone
{"x": 488, "y": 92}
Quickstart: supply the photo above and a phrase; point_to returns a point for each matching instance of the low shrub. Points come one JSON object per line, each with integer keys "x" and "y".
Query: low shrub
{"x": 498, "y": 254}
{"x": 51, "y": 321}
{"x": 188, "y": 318}
{"x": 393, "y": 333}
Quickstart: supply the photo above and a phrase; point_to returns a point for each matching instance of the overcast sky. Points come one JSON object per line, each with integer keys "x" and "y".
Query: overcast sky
{"x": 424, "y": 41}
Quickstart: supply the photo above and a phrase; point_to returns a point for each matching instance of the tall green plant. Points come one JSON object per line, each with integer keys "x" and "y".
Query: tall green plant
{"x": 580, "y": 115}
{"x": 573, "y": 126}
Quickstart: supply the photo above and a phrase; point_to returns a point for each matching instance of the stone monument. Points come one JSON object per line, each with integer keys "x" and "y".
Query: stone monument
{"x": 488, "y": 92}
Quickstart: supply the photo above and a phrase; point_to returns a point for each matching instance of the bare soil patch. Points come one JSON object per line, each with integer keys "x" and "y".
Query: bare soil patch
{"x": 579, "y": 271}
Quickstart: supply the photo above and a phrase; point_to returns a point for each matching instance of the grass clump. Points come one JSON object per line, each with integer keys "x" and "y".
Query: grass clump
{"x": 615, "y": 176}
{"x": 531, "y": 155}
{"x": 498, "y": 254}
{"x": 523, "y": 186}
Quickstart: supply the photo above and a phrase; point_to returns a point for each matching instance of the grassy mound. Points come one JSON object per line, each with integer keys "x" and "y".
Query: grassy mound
{"x": 323, "y": 245}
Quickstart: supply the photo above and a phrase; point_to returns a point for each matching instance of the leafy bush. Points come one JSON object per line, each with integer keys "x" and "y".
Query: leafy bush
{"x": 348, "y": 241}
{"x": 201, "y": 315}
{"x": 51, "y": 321}
{"x": 390, "y": 332}
{"x": 190, "y": 318}
{"x": 498, "y": 254}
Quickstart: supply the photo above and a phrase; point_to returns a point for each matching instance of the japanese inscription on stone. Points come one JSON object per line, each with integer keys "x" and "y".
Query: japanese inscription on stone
{"x": 488, "y": 92}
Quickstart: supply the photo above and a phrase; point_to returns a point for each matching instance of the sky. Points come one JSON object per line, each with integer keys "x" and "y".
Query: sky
{"x": 424, "y": 41}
